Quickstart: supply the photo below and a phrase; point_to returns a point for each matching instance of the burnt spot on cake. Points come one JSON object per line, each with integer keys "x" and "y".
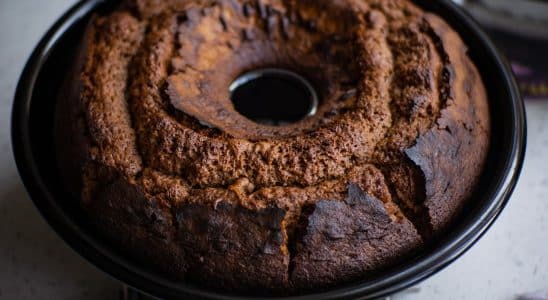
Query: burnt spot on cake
{"x": 138, "y": 225}
{"x": 222, "y": 241}
{"x": 349, "y": 238}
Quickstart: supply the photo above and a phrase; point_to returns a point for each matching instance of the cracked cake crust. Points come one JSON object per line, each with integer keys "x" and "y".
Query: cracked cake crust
{"x": 385, "y": 166}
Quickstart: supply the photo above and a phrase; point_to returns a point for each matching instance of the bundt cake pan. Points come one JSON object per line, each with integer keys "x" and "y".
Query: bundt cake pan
{"x": 33, "y": 145}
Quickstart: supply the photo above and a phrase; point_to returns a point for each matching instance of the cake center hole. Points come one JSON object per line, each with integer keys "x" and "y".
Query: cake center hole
{"x": 273, "y": 96}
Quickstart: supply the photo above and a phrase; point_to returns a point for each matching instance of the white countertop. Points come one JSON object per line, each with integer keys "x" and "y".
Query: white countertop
{"x": 511, "y": 259}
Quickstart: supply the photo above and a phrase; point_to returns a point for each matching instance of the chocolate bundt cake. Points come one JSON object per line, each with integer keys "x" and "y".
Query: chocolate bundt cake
{"x": 175, "y": 177}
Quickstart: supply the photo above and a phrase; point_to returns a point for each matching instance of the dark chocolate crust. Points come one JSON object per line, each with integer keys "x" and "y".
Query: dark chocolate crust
{"x": 170, "y": 173}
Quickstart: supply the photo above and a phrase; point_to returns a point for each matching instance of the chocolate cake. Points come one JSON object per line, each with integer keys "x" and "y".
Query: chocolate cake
{"x": 170, "y": 173}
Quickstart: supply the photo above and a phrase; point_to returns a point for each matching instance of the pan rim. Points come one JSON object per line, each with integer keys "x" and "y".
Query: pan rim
{"x": 107, "y": 260}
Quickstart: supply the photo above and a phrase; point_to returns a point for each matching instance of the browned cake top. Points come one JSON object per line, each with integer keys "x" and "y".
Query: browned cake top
{"x": 403, "y": 120}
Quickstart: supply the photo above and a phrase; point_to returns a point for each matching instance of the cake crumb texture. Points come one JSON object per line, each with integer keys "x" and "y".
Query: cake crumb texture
{"x": 171, "y": 174}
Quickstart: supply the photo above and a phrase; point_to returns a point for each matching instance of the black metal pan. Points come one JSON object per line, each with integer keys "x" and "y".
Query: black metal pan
{"x": 32, "y": 135}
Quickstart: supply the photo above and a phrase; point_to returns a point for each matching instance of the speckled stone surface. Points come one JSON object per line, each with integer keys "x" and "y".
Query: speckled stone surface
{"x": 511, "y": 259}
